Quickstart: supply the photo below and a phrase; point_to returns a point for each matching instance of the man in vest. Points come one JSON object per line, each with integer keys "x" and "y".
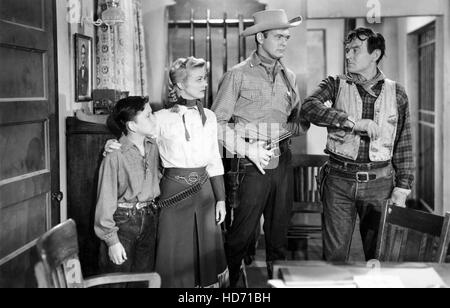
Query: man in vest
{"x": 369, "y": 143}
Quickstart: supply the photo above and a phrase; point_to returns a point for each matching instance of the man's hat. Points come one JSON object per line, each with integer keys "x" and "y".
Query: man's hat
{"x": 271, "y": 20}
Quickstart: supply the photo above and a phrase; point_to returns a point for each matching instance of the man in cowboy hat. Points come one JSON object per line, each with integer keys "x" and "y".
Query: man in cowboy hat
{"x": 259, "y": 95}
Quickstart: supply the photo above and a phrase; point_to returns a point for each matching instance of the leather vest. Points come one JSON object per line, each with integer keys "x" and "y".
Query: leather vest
{"x": 346, "y": 144}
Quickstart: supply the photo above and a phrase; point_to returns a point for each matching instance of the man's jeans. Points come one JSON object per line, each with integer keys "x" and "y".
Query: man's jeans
{"x": 137, "y": 234}
{"x": 343, "y": 199}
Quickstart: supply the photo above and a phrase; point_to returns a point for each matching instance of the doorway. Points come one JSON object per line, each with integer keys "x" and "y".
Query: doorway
{"x": 426, "y": 38}
{"x": 29, "y": 159}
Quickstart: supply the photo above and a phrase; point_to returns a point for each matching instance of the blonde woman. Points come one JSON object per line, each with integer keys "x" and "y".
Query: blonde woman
{"x": 190, "y": 251}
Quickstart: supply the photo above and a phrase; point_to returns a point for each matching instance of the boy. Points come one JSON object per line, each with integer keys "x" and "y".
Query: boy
{"x": 125, "y": 218}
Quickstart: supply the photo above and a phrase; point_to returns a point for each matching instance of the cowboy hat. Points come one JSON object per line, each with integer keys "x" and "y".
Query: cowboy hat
{"x": 271, "y": 20}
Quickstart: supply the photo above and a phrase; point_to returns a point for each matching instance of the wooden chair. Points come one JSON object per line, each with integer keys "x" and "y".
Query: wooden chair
{"x": 307, "y": 205}
{"x": 408, "y": 235}
{"x": 59, "y": 266}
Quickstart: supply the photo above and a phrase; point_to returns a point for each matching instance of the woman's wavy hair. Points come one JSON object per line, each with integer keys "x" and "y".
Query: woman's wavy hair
{"x": 178, "y": 73}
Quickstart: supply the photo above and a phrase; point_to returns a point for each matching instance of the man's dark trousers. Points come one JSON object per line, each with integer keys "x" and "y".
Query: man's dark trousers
{"x": 270, "y": 194}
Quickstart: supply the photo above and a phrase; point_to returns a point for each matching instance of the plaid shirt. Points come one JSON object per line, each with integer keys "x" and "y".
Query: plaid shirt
{"x": 252, "y": 94}
{"x": 314, "y": 110}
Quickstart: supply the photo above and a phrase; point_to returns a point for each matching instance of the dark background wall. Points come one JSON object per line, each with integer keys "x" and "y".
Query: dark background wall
{"x": 179, "y": 36}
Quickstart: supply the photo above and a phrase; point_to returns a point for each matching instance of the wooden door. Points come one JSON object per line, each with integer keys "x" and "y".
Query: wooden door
{"x": 29, "y": 160}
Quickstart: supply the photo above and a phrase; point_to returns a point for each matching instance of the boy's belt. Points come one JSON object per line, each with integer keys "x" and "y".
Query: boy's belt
{"x": 137, "y": 205}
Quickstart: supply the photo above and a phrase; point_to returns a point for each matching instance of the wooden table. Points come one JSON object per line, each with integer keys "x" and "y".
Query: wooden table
{"x": 323, "y": 274}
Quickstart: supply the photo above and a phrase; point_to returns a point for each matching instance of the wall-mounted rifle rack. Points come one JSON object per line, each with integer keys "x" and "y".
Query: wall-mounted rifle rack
{"x": 225, "y": 23}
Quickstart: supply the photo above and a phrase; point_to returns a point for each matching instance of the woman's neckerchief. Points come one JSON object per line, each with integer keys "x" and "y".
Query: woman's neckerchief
{"x": 190, "y": 104}
{"x": 367, "y": 85}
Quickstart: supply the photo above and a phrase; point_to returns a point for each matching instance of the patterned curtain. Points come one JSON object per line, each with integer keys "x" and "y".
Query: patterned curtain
{"x": 123, "y": 45}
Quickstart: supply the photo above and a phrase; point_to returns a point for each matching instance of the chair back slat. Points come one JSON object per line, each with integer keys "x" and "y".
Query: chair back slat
{"x": 407, "y": 235}
{"x": 312, "y": 182}
{"x": 317, "y": 187}
{"x": 423, "y": 248}
{"x": 404, "y": 245}
{"x": 306, "y": 169}
{"x": 306, "y": 218}
{"x": 41, "y": 276}
{"x": 415, "y": 252}
{"x": 396, "y": 244}
{"x": 302, "y": 185}
{"x": 432, "y": 249}
{"x": 306, "y": 185}
{"x": 59, "y": 278}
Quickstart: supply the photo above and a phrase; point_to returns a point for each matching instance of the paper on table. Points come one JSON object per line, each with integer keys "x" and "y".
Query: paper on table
{"x": 336, "y": 277}
{"x": 317, "y": 277}
{"x": 416, "y": 277}
{"x": 347, "y": 284}
{"x": 378, "y": 281}
{"x": 400, "y": 278}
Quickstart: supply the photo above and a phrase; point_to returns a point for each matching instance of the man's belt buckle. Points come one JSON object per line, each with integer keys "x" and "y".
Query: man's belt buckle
{"x": 362, "y": 177}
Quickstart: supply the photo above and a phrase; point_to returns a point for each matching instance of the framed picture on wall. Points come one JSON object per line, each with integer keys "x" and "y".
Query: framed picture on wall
{"x": 83, "y": 68}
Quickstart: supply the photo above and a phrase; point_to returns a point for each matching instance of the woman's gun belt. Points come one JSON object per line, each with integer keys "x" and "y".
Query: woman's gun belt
{"x": 183, "y": 195}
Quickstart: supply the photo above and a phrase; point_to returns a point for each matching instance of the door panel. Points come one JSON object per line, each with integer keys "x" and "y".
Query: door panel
{"x": 21, "y": 223}
{"x": 9, "y": 111}
{"x": 29, "y": 161}
{"x": 19, "y": 80}
{"x": 35, "y": 185}
{"x": 23, "y": 150}
{"x": 23, "y": 12}
{"x": 20, "y": 272}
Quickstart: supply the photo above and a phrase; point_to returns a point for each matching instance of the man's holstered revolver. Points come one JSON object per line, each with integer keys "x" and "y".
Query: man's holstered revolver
{"x": 321, "y": 177}
{"x": 233, "y": 180}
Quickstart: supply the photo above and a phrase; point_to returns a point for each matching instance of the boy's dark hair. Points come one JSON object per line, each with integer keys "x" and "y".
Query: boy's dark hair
{"x": 126, "y": 110}
{"x": 374, "y": 40}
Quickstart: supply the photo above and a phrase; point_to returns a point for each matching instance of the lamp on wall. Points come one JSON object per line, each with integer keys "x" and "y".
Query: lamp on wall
{"x": 112, "y": 16}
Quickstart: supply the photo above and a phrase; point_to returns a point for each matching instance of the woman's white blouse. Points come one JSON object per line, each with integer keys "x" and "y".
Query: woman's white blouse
{"x": 203, "y": 148}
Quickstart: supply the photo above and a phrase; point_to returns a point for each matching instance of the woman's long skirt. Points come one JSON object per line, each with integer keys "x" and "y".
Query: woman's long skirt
{"x": 190, "y": 251}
